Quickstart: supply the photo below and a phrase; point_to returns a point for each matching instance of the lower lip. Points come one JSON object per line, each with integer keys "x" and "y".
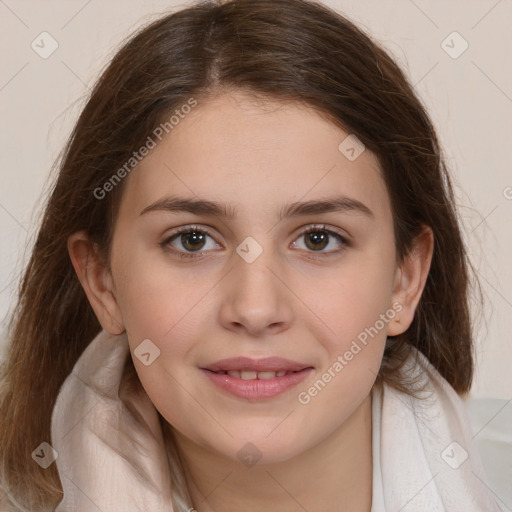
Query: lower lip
{"x": 256, "y": 388}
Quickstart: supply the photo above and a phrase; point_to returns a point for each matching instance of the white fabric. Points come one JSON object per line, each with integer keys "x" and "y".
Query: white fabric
{"x": 416, "y": 467}
{"x": 105, "y": 445}
{"x": 491, "y": 419}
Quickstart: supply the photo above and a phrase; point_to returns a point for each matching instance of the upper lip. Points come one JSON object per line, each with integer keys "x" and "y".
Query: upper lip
{"x": 267, "y": 364}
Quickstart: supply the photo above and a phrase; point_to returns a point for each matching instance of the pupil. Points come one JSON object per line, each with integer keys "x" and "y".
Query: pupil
{"x": 196, "y": 238}
{"x": 318, "y": 238}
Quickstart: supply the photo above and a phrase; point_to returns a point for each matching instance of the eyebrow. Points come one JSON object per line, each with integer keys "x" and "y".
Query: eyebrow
{"x": 203, "y": 207}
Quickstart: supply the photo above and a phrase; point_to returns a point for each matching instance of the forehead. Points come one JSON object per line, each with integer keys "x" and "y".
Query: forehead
{"x": 255, "y": 155}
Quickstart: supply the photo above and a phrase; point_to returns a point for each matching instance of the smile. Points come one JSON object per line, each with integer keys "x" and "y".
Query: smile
{"x": 252, "y": 385}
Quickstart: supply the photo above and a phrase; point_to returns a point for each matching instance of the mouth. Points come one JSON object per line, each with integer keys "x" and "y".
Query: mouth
{"x": 256, "y": 379}
{"x": 253, "y": 384}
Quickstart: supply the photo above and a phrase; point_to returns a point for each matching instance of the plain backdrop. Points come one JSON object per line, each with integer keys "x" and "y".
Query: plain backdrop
{"x": 468, "y": 94}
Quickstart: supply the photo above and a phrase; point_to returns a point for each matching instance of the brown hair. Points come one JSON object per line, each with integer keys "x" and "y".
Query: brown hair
{"x": 288, "y": 50}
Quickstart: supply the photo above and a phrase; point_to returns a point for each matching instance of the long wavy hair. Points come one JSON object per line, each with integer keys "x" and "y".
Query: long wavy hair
{"x": 286, "y": 50}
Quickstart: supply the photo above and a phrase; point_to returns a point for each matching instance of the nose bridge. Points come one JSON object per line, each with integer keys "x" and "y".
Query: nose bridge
{"x": 255, "y": 268}
{"x": 257, "y": 297}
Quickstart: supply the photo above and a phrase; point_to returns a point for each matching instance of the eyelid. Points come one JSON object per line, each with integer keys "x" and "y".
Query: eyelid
{"x": 324, "y": 227}
{"x": 191, "y": 227}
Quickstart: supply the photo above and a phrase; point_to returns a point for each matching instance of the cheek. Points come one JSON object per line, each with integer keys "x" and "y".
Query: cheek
{"x": 355, "y": 310}
{"x": 357, "y": 314}
{"x": 155, "y": 298}
{"x": 354, "y": 343}
{"x": 352, "y": 300}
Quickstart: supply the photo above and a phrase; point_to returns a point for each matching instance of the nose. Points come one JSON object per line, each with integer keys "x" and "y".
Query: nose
{"x": 256, "y": 299}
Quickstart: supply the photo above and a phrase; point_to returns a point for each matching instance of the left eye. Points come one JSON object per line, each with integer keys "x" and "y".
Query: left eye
{"x": 193, "y": 240}
{"x": 318, "y": 238}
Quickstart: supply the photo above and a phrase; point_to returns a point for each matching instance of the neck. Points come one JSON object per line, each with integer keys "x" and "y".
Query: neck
{"x": 333, "y": 476}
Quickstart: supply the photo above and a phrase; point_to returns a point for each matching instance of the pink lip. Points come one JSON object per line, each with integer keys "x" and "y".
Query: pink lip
{"x": 267, "y": 364}
{"x": 255, "y": 388}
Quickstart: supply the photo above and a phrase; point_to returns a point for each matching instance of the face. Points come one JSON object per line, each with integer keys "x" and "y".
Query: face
{"x": 249, "y": 282}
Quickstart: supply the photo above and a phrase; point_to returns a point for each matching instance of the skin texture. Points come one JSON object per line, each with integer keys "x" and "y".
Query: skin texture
{"x": 293, "y": 301}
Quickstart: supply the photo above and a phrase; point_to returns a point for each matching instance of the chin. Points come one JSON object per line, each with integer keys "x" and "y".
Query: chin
{"x": 262, "y": 448}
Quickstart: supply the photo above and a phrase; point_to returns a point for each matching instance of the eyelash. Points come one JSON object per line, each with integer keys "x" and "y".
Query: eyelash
{"x": 194, "y": 228}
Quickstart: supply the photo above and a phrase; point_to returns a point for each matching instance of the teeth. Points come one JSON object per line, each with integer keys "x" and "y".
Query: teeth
{"x": 245, "y": 375}
{"x": 251, "y": 375}
{"x": 267, "y": 375}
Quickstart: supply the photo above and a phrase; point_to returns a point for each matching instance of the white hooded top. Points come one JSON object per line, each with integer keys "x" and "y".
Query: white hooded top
{"x": 111, "y": 454}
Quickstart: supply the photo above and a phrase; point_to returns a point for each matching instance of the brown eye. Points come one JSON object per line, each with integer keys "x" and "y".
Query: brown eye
{"x": 316, "y": 239}
{"x": 189, "y": 240}
{"x": 192, "y": 240}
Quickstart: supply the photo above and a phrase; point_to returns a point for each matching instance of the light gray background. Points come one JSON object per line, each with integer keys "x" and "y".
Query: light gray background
{"x": 469, "y": 98}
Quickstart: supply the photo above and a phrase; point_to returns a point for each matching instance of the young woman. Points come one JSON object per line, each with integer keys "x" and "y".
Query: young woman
{"x": 249, "y": 290}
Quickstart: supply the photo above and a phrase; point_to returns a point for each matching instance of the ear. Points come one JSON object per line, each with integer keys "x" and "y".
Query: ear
{"x": 96, "y": 280}
{"x": 410, "y": 279}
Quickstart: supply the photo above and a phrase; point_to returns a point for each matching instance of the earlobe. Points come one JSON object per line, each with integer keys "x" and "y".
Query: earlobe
{"x": 97, "y": 282}
{"x": 410, "y": 278}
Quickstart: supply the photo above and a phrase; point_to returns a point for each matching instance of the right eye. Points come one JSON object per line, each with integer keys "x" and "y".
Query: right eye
{"x": 192, "y": 240}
